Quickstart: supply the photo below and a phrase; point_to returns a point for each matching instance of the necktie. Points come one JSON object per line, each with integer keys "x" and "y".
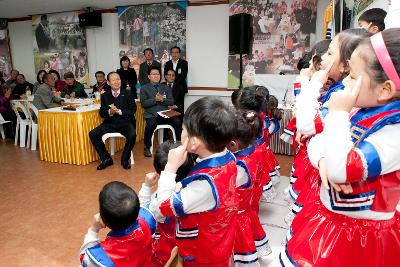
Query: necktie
{"x": 115, "y": 94}
{"x": 170, "y": 85}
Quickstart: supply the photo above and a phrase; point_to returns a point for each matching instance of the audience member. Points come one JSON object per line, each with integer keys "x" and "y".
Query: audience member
{"x": 178, "y": 90}
{"x": 128, "y": 75}
{"x": 101, "y": 82}
{"x": 129, "y": 241}
{"x": 39, "y": 80}
{"x": 179, "y": 65}
{"x": 156, "y": 97}
{"x": 44, "y": 97}
{"x": 373, "y": 20}
{"x": 74, "y": 88}
{"x": 22, "y": 87}
{"x": 5, "y": 109}
{"x": 149, "y": 56}
{"x": 118, "y": 109}
{"x": 12, "y": 82}
{"x": 60, "y": 85}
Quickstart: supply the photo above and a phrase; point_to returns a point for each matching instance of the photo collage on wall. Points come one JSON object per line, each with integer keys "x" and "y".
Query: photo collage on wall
{"x": 157, "y": 26}
{"x": 60, "y": 44}
{"x": 282, "y": 33}
{"x": 5, "y": 56}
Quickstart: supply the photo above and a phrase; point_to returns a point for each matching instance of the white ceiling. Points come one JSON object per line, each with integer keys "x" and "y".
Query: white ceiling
{"x": 23, "y": 8}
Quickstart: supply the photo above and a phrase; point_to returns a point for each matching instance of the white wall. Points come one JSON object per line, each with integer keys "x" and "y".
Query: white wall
{"x": 21, "y": 46}
{"x": 207, "y": 45}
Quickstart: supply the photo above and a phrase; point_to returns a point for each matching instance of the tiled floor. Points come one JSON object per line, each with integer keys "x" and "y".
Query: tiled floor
{"x": 46, "y": 208}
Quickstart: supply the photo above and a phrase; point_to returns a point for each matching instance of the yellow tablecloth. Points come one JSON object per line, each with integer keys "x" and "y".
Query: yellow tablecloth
{"x": 64, "y": 136}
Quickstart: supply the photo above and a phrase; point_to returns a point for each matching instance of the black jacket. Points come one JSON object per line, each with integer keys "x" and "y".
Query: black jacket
{"x": 180, "y": 72}
{"x": 128, "y": 77}
{"x": 125, "y": 102}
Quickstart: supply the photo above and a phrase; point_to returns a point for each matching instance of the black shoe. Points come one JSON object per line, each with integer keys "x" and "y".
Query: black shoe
{"x": 126, "y": 165}
{"x": 105, "y": 164}
{"x": 147, "y": 152}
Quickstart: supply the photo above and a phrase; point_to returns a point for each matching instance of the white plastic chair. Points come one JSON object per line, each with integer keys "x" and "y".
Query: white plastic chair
{"x": 3, "y": 121}
{"x": 17, "y": 107}
{"x": 160, "y": 128}
{"x": 33, "y": 110}
{"x": 112, "y": 137}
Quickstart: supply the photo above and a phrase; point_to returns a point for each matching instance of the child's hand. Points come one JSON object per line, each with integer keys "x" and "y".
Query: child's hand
{"x": 97, "y": 223}
{"x": 306, "y": 72}
{"x": 322, "y": 75}
{"x": 176, "y": 157}
{"x": 151, "y": 179}
{"x": 345, "y": 99}
{"x": 323, "y": 173}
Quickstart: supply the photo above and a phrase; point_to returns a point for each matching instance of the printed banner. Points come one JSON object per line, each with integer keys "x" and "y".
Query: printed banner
{"x": 60, "y": 44}
{"x": 282, "y": 31}
{"x": 5, "y": 57}
{"x": 157, "y": 26}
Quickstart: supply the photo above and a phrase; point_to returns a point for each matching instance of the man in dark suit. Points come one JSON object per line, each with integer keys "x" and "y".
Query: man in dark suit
{"x": 149, "y": 56}
{"x": 180, "y": 66}
{"x": 156, "y": 97}
{"x": 118, "y": 110}
{"x": 42, "y": 34}
{"x": 179, "y": 90}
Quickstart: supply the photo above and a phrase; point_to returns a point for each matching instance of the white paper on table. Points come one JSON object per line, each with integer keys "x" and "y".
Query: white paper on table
{"x": 162, "y": 114}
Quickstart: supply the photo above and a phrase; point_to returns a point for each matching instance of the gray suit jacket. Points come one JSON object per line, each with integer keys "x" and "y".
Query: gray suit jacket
{"x": 147, "y": 99}
{"x": 44, "y": 98}
{"x": 143, "y": 79}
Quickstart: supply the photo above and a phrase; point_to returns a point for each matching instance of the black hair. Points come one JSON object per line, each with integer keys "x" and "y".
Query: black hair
{"x": 321, "y": 47}
{"x": 375, "y": 16}
{"x": 38, "y": 76}
{"x": 148, "y": 49}
{"x": 111, "y": 73}
{"x": 45, "y": 76}
{"x": 249, "y": 127}
{"x": 273, "y": 106}
{"x": 348, "y": 41}
{"x": 212, "y": 121}
{"x": 165, "y": 74}
{"x": 99, "y": 72}
{"x": 161, "y": 159}
{"x": 119, "y": 205}
{"x": 123, "y": 59}
{"x": 374, "y": 68}
{"x": 254, "y": 98}
{"x": 153, "y": 68}
{"x": 235, "y": 97}
{"x": 176, "y": 47}
{"x": 304, "y": 62}
{"x": 56, "y": 73}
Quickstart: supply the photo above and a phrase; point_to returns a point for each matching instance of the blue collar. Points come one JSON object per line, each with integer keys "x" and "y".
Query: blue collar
{"x": 366, "y": 113}
{"x": 124, "y": 232}
{"x": 214, "y": 162}
{"x": 260, "y": 140}
{"x": 245, "y": 152}
{"x": 334, "y": 87}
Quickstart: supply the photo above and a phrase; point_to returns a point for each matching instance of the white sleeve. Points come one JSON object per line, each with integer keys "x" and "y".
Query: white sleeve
{"x": 197, "y": 197}
{"x": 91, "y": 240}
{"x": 166, "y": 188}
{"x": 144, "y": 195}
{"x": 242, "y": 177}
{"x": 377, "y": 154}
{"x": 307, "y": 107}
{"x": 315, "y": 149}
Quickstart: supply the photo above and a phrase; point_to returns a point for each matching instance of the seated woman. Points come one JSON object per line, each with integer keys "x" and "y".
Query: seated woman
{"x": 73, "y": 88}
{"x": 60, "y": 84}
{"x": 39, "y": 80}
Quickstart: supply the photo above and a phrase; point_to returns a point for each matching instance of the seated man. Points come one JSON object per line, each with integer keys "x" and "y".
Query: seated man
{"x": 73, "y": 87}
{"x": 21, "y": 87}
{"x": 156, "y": 97}
{"x": 179, "y": 89}
{"x": 44, "y": 97}
{"x": 118, "y": 109}
{"x": 101, "y": 84}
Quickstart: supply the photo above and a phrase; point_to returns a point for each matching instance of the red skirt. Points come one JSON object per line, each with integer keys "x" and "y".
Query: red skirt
{"x": 244, "y": 249}
{"x": 328, "y": 239}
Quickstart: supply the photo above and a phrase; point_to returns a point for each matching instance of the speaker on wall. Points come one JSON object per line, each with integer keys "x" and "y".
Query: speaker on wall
{"x": 90, "y": 20}
{"x": 240, "y": 33}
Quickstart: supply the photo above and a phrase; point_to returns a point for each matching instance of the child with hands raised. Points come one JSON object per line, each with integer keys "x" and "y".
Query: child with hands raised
{"x": 205, "y": 205}
{"x": 355, "y": 220}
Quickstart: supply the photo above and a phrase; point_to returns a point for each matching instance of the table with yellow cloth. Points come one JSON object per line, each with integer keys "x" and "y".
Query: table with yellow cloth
{"x": 64, "y": 135}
